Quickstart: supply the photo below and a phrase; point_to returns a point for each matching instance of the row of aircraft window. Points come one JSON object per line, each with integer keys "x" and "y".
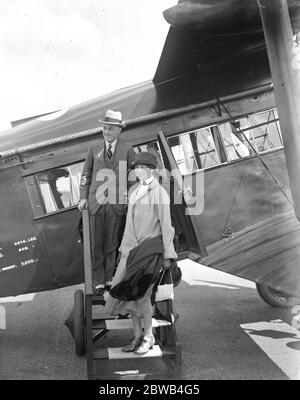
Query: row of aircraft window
{"x": 202, "y": 148}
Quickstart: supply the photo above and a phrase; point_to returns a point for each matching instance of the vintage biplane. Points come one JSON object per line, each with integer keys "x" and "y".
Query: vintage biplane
{"x": 222, "y": 107}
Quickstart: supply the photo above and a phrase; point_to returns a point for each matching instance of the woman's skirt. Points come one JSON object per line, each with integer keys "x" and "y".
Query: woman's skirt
{"x": 115, "y": 306}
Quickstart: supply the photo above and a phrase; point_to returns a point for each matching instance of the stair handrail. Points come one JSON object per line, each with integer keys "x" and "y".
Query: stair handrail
{"x": 88, "y": 277}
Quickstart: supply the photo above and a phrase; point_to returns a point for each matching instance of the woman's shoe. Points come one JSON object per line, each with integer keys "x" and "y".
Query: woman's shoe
{"x": 135, "y": 343}
{"x": 99, "y": 291}
{"x": 145, "y": 346}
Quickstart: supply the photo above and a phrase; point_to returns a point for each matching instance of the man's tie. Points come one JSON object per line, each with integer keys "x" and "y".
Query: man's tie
{"x": 109, "y": 152}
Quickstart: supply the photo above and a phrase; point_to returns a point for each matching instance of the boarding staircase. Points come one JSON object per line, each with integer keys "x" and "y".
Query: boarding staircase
{"x": 99, "y": 336}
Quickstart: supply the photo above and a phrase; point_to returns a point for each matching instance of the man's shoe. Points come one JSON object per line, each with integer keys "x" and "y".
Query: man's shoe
{"x": 145, "y": 346}
{"x": 133, "y": 345}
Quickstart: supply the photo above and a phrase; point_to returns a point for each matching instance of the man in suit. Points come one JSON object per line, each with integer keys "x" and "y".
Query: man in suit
{"x": 101, "y": 190}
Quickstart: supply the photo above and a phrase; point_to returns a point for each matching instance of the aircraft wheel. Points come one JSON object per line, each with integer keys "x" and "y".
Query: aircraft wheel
{"x": 275, "y": 298}
{"x": 79, "y": 323}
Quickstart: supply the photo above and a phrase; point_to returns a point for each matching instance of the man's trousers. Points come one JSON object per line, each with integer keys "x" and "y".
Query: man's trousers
{"x": 107, "y": 228}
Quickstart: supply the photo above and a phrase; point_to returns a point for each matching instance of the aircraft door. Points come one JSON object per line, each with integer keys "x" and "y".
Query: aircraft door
{"x": 187, "y": 199}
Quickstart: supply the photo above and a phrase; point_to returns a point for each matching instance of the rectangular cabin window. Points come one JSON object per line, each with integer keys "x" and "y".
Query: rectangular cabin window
{"x": 234, "y": 144}
{"x": 60, "y": 187}
{"x": 194, "y": 150}
{"x": 253, "y": 134}
{"x": 263, "y": 131}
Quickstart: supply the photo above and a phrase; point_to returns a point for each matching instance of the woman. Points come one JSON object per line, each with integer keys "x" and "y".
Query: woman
{"x": 148, "y": 221}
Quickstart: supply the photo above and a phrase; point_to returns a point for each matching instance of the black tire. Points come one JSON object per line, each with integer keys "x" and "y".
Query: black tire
{"x": 275, "y": 298}
{"x": 79, "y": 323}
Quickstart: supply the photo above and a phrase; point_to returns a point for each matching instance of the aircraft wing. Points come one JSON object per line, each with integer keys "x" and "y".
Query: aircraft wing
{"x": 217, "y": 39}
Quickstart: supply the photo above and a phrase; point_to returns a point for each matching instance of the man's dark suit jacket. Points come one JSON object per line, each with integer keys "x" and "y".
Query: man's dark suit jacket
{"x": 96, "y": 162}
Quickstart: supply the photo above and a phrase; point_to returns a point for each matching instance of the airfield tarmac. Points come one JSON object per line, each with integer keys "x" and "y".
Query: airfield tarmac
{"x": 226, "y": 332}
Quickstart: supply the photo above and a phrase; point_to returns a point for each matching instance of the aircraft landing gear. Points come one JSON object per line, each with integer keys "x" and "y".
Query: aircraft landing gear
{"x": 275, "y": 298}
{"x": 76, "y": 323}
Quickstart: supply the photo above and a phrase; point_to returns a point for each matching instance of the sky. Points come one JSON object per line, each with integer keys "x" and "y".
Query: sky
{"x": 57, "y": 53}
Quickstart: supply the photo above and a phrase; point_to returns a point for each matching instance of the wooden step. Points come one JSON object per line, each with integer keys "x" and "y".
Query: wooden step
{"x": 95, "y": 299}
{"x": 118, "y": 324}
{"x": 136, "y": 376}
{"x": 116, "y": 353}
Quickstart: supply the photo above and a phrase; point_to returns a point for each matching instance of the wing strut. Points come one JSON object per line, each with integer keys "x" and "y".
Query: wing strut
{"x": 286, "y": 78}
